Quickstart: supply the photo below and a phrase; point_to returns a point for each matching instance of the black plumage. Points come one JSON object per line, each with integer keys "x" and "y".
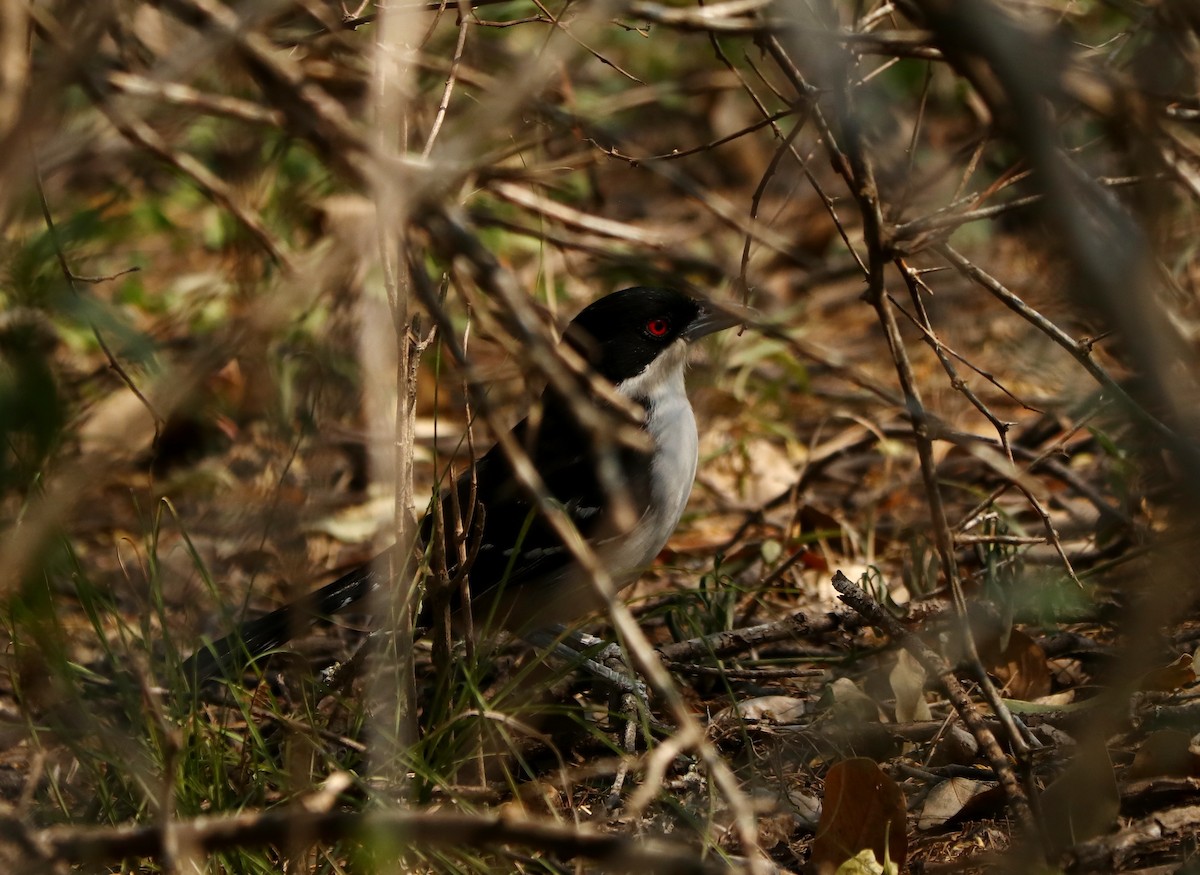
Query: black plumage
{"x": 520, "y": 573}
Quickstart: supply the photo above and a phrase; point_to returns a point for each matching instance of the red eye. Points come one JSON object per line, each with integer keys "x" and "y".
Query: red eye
{"x": 658, "y": 327}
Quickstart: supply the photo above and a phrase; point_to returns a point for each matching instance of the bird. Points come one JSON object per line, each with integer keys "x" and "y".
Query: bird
{"x": 518, "y": 571}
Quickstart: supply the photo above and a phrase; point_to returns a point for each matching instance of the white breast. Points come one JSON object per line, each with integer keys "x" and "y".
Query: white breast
{"x": 672, "y": 425}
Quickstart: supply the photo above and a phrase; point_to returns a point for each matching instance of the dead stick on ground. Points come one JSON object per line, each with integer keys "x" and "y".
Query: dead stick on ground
{"x": 415, "y": 830}
{"x": 798, "y": 626}
{"x": 854, "y": 596}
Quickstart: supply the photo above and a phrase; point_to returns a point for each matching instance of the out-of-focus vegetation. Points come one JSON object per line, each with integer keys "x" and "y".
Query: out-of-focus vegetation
{"x": 971, "y": 230}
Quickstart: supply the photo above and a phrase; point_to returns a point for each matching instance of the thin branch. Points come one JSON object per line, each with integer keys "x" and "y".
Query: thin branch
{"x": 71, "y": 278}
{"x": 188, "y": 97}
{"x": 290, "y": 826}
{"x": 1078, "y": 350}
{"x": 854, "y": 596}
{"x": 921, "y": 320}
{"x": 459, "y": 46}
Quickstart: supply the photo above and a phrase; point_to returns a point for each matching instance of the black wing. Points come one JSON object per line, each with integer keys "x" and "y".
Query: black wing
{"x": 516, "y": 546}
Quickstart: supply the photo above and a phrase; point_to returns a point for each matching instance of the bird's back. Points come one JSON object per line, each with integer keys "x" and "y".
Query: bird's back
{"x": 522, "y": 574}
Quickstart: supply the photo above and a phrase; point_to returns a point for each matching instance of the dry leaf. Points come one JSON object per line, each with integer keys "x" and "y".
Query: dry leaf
{"x": 776, "y": 829}
{"x": 847, "y": 703}
{"x": 768, "y": 709}
{"x": 908, "y": 685}
{"x": 360, "y": 523}
{"x": 863, "y": 809}
{"x": 1057, "y": 700}
{"x": 1169, "y": 678}
{"x": 806, "y": 808}
{"x": 119, "y": 425}
{"x": 955, "y": 797}
{"x": 1166, "y": 752}
{"x": 1022, "y": 668}
{"x": 749, "y": 478}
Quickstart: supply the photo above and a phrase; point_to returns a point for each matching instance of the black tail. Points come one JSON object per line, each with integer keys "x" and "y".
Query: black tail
{"x": 254, "y": 638}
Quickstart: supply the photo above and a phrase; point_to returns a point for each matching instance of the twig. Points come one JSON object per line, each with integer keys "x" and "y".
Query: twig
{"x": 310, "y": 111}
{"x": 922, "y": 321}
{"x": 784, "y": 62}
{"x": 854, "y": 596}
{"x": 1013, "y": 540}
{"x": 71, "y": 279}
{"x": 764, "y": 673}
{"x": 561, "y": 27}
{"x": 947, "y": 221}
{"x": 855, "y": 167}
{"x": 451, "y": 78}
{"x": 191, "y": 98}
{"x": 676, "y": 154}
{"x": 798, "y": 625}
{"x": 1078, "y": 350}
{"x": 290, "y": 826}
{"x": 718, "y": 206}
{"x": 141, "y": 134}
{"x": 760, "y": 190}
{"x": 395, "y": 691}
{"x": 916, "y": 282}
{"x": 572, "y": 217}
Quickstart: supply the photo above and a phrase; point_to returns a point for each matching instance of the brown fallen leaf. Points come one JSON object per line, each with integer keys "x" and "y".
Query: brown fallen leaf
{"x": 908, "y": 684}
{"x": 762, "y": 709}
{"x": 1171, "y": 677}
{"x": 846, "y": 703}
{"x": 1166, "y": 752}
{"x": 863, "y": 809}
{"x": 958, "y": 797}
{"x": 749, "y": 478}
{"x": 1022, "y": 668}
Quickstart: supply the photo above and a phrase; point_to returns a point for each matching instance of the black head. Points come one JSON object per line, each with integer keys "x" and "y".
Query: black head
{"x": 622, "y": 333}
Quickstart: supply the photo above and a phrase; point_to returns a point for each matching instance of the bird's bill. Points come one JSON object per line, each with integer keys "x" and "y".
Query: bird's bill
{"x": 717, "y": 317}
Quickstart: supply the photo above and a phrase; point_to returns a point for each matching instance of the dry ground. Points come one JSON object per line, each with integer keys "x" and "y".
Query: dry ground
{"x": 971, "y": 392}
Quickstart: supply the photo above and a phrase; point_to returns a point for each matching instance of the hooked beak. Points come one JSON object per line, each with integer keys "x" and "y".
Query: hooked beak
{"x": 715, "y": 317}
